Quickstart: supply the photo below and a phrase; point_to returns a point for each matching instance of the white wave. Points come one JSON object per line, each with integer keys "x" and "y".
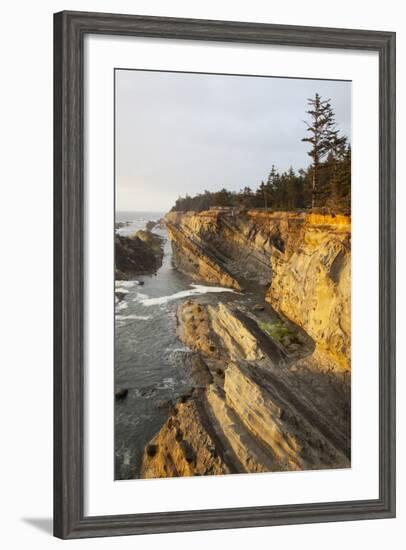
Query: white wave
{"x": 121, "y": 305}
{"x": 135, "y": 317}
{"x": 126, "y": 284}
{"x": 197, "y": 289}
{"x": 139, "y": 297}
{"x": 122, "y": 290}
{"x": 128, "y": 229}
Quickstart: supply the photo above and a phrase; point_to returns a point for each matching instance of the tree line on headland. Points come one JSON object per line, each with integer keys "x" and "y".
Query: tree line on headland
{"x": 325, "y": 183}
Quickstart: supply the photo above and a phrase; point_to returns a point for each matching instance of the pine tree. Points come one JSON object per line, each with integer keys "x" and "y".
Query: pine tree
{"x": 271, "y": 187}
{"x": 264, "y": 195}
{"x": 320, "y": 129}
{"x": 338, "y": 151}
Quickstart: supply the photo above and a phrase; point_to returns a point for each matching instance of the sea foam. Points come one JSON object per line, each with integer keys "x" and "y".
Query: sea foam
{"x": 125, "y": 284}
{"x": 197, "y": 289}
{"x": 134, "y": 317}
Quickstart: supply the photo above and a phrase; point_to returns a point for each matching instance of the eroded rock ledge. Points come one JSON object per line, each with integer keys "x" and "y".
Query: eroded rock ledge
{"x": 271, "y": 382}
{"x": 257, "y": 404}
{"x": 303, "y": 260}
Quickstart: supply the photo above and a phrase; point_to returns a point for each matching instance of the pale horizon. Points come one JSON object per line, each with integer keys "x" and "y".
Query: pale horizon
{"x": 179, "y": 133}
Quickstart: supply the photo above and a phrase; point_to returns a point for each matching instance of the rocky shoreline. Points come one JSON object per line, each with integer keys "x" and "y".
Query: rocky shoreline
{"x": 271, "y": 378}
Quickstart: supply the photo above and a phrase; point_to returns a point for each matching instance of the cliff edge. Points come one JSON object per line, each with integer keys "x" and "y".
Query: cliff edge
{"x": 302, "y": 261}
{"x": 270, "y": 366}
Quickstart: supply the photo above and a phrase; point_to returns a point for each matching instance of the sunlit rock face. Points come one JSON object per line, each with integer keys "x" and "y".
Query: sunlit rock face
{"x": 303, "y": 260}
{"x": 252, "y": 409}
{"x": 284, "y": 422}
{"x": 269, "y": 368}
{"x": 185, "y": 446}
{"x": 217, "y": 331}
{"x": 311, "y": 283}
{"x": 196, "y": 259}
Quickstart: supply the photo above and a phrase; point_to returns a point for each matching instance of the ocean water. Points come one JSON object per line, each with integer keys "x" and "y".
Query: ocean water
{"x": 148, "y": 355}
{"x": 135, "y": 220}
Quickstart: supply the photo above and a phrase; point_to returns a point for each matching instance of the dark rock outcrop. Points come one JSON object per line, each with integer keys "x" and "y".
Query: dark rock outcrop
{"x": 150, "y": 225}
{"x": 139, "y": 254}
{"x": 121, "y": 393}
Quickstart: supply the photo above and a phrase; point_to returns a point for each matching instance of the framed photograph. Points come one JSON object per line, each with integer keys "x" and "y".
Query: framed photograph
{"x": 224, "y": 274}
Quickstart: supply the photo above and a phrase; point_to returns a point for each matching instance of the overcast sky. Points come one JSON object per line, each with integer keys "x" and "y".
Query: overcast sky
{"x": 179, "y": 133}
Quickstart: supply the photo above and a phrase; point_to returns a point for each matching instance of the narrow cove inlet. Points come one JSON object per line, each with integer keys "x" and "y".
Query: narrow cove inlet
{"x": 226, "y": 361}
{"x": 149, "y": 356}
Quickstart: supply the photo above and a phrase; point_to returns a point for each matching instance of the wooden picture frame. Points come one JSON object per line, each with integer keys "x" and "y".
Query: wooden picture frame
{"x": 69, "y": 31}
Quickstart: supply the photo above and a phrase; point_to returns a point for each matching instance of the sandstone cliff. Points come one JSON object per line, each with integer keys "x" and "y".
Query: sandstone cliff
{"x": 303, "y": 261}
{"x": 256, "y": 406}
{"x": 270, "y": 367}
{"x": 311, "y": 283}
{"x": 197, "y": 259}
{"x": 183, "y": 447}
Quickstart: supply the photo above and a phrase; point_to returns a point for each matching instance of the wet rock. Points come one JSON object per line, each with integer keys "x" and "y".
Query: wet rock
{"x": 137, "y": 254}
{"x": 121, "y": 393}
{"x": 150, "y": 225}
{"x": 120, "y": 296}
{"x": 148, "y": 392}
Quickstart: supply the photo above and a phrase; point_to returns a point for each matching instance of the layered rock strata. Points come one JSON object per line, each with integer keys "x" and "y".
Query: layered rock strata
{"x": 183, "y": 447}
{"x": 254, "y": 409}
{"x": 198, "y": 260}
{"x": 303, "y": 261}
{"x": 272, "y": 380}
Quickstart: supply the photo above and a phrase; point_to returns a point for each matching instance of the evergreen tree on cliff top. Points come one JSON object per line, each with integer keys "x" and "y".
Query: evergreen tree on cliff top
{"x": 323, "y": 137}
{"x": 325, "y": 183}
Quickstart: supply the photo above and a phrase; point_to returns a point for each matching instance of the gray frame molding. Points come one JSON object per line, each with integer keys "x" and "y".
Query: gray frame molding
{"x": 69, "y": 30}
